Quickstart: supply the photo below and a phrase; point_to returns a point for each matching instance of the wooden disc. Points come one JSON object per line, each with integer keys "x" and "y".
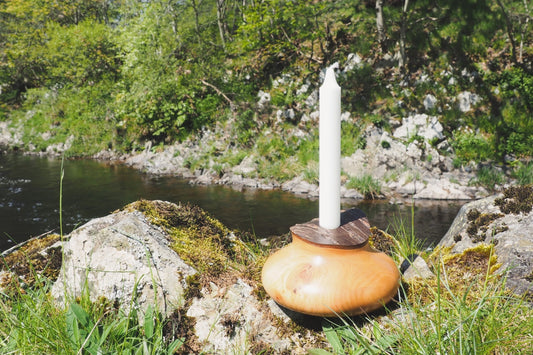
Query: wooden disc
{"x": 353, "y": 231}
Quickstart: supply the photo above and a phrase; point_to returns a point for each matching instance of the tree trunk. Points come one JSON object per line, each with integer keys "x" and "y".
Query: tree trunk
{"x": 403, "y": 28}
{"x": 196, "y": 10}
{"x": 510, "y": 30}
{"x": 221, "y": 14}
{"x": 380, "y": 24}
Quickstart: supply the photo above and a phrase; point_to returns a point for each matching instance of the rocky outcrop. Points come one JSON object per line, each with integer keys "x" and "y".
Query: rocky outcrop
{"x": 137, "y": 259}
{"x": 408, "y": 163}
{"x": 506, "y": 221}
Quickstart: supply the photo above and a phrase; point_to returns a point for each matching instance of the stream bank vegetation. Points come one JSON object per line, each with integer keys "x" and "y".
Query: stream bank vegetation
{"x": 463, "y": 308}
{"x": 91, "y": 76}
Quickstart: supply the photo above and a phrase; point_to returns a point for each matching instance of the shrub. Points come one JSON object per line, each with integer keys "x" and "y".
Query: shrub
{"x": 470, "y": 146}
{"x": 367, "y": 185}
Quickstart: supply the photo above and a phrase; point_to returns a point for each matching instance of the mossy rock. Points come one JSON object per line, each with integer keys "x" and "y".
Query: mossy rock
{"x": 23, "y": 265}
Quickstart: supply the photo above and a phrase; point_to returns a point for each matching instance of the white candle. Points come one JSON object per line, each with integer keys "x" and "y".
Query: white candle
{"x": 330, "y": 152}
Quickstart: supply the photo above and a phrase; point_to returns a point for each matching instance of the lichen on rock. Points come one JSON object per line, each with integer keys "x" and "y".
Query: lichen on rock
{"x": 504, "y": 221}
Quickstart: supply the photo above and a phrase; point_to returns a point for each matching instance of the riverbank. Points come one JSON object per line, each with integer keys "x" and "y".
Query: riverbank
{"x": 405, "y": 164}
{"x": 386, "y": 168}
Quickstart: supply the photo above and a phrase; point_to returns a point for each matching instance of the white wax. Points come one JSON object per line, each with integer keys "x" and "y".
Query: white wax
{"x": 330, "y": 152}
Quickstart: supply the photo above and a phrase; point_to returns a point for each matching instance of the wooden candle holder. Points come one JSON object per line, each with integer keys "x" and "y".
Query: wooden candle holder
{"x": 331, "y": 272}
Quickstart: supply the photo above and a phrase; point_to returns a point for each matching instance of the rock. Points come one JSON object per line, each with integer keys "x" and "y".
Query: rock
{"x": 352, "y": 61}
{"x": 429, "y": 102}
{"x": 299, "y": 186}
{"x": 227, "y": 318}
{"x": 122, "y": 257}
{"x": 437, "y": 189}
{"x": 264, "y": 99}
{"x": 418, "y": 269}
{"x": 466, "y": 99}
{"x": 421, "y": 125}
{"x": 128, "y": 258}
{"x": 511, "y": 234}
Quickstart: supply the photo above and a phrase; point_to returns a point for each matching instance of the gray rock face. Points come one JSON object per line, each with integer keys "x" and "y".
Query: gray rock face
{"x": 227, "y": 318}
{"x": 512, "y": 235}
{"x": 121, "y": 257}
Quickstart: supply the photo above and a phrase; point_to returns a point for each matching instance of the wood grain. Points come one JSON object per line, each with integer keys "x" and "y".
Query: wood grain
{"x": 330, "y": 281}
{"x": 353, "y": 231}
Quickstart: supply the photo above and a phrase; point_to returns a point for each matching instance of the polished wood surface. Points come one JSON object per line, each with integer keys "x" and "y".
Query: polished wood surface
{"x": 328, "y": 281}
{"x": 353, "y": 231}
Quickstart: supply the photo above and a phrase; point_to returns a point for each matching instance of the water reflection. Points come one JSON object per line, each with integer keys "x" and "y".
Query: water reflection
{"x": 29, "y": 201}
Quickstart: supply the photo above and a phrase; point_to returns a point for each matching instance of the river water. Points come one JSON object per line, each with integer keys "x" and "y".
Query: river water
{"x": 30, "y": 195}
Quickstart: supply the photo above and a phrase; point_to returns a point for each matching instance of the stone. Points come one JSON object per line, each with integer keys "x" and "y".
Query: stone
{"x": 264, "y": 99}
{"x": 510, "y": 233}
{"x": 227, "y": 318}
{"x": 418, "y": 269}
{"x": 126, "y": 258}
{"x": 441, "y": 189}
{"x": 353, "y": 61}
{"x": 421, "y": 125}
{"x": 429, "y": 102}
{"x": 466, "y": 99}
{"x": 122, "y": 257}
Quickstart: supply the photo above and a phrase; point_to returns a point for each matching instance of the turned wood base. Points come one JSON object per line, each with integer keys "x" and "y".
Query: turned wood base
{"x": 331, "y": 277}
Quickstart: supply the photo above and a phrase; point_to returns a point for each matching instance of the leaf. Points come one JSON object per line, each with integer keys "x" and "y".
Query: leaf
{"x": 72, "y": 327}
{"x": 81, "y": 316}
{"x": 319, "y": 352}
{"x": 175, "y": 345}
{"x": 149, "y": 323}
{"x": 333, "y": 338}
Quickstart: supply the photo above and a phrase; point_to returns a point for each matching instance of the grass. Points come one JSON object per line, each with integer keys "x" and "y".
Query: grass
{"x": 464, "y": 309}
{"x": 31, "y": 323}
{"x": 366, "y": 185}
{"x": 489, "y": 177}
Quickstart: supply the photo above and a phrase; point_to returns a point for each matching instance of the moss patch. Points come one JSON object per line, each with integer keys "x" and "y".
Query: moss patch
{"x": 200, "y": 240}
{"x": 382, "y": 241}
{"x": 458, "y": 274}
{"x": 31, "y": 260}
{"x": 478, "y": 224}
{"x": 516, "y": 200}
{"x": 220, "y": 256}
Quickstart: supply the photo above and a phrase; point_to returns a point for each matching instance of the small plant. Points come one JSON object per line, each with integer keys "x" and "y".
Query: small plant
{"x": 489, "y": 177}
{"x": 367, "y": 185}
{"x": 523, "y": 173}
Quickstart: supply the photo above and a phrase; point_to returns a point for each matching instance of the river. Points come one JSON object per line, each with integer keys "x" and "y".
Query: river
{"x": 30, "y": 195}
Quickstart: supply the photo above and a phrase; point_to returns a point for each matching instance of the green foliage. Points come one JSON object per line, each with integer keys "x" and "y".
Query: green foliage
{"x": 470, "y": 146}
{"x": 78, "y": 118}
{"x": 125, "y": 334}
{"x": 361, "y": 88}
{"x": 162, "y": 70}
{"x": 31, "y": 322}
{"x": 280, "y": 32}
{"x": 443, "y": 314}
{"x": 367, "y": 185}
{"x": 351, "y": 139}
{"x": 80, "y": 55}
{"x": 489, "y": 177}
{"x": 523, "y": 173}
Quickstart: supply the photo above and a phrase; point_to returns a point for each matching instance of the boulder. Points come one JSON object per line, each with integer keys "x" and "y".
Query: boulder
{"x": 122, "y": 257}
{"x": 506, "y": 221}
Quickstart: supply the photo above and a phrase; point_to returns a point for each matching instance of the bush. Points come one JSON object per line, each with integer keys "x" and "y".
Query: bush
{"x": 470, "y": 146}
